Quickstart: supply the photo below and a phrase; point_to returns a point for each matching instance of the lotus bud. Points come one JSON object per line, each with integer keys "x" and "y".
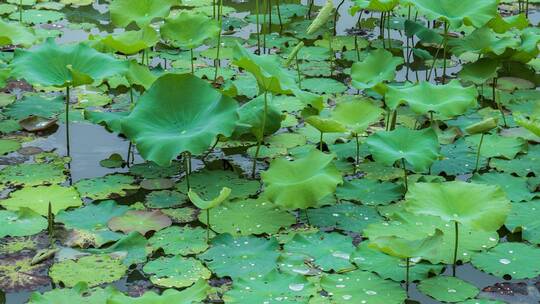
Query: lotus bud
{"x": 293, "y": 54}
{"x": 482, "y": 126}
{"x": 324, "y": 14}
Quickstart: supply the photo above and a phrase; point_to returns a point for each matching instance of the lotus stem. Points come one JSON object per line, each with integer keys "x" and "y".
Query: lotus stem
{"x": 142, "y": 57}
{"x": 478, "y": 153}
{"x": 279, "y": 17}
{"x": 269, "y": 16}
{"x": 214, "y": 9}
{"x": 187, "y": 168}
{"x": 210, "y": 150}
{"x": 207, "y": 226}
{"x": 307, "y": 217}
{"x": 356, "y": 47}
{"x": 321, "y": 142}
{"x": 260, "y": 139}
{"x": 20, "y": 11}
{"x": 50, "y": 224}
{"x": 217, "y": 62}
{"x": 527, "y": 8}
{"x": 263, "y": 30}
{"x": 499, "y": 106}
{"x": 298, "y": 71}
{"x": 192, "y": 65}
{"x": 257, "y": 11}
{"x": 68, "y": 148}
{"x": 444, "y": 51}
{"x": 336, "y": 13}
{"x": 404, "y": 174}
{"x": 129, "y": 153}
{"x": 331, "y": 55}
{"x": 381, "y": 29}
{"x": 394, "y": 120}
{"x": 428, "y": 77}
{"x": 388, "y": 29}
{"x": 408, "y": 266}
{"x": 357, "y": 162}
{"x": 311, "y": 2}
{"x": 430, "y": 118}
{"x": 407, "y": 57}
{"x": 456, "y": 228}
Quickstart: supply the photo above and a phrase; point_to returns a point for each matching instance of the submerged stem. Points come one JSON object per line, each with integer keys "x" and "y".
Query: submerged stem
{"x": 478, "y": 153}
{"x": 68, "y": 148}
{"x": 455, "y": 248}
{"x": 260, "y": 139}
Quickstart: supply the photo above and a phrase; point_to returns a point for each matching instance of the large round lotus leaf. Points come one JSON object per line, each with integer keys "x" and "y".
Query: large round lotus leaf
{"x": 165, "y": 199}
{"x": 525, "y": 217}
{"x": 19, "y": 274}
{"x": 323, "y": 86}
{"x": 418, "y": 147}
{"x": 247, "y": 217}
{"x": 324, "y": 124}
{"x": 152, "y": 170}
{"x": 357, "y": 115}
{"x": 37, "y": 106}
{"x": 194, "y": 294}
{"x": 390, "y": 267}
{"x": 37, "y": 16}
{"x": 480, "y": 71}
{"x": 104, "y": 187}
{"x": 329, "y": 251}
{"x": 180, "y": 240}
{"x": 379, "y": 66}
{"x": 8, "y": 146}
{"x": 91, "y": 220}
{"x": 479, "y": 206}
{"x": 21, "y": 223}
{"x": 208, "y": 184}
{"x": 33, "y": 174}
{"x": 407, "y": 246}
{"x": 410, "y": 226}
{"x": 497, "y": 146}
{"x": 448, "y": 289}
{"x": 252, "y": 114}
{"x": 483, "y": 41}
{"x": 175, "y": 271}
{"x": 133, "y": 248}
{"x": 303, "y": 182}
{"x": 344, "y": 216}
{"x": 457, "y": 158}
{"x": 241, "y": 257}
{"x": 191, "y": 123}
{"x": 142, "y": 12}
{"x": 196, "y": 29}
{"x": 92, "y": 270}
{"x": 181, "y": 215}
{"x": 475, "y": 13}
{"x": 68, "y": 65}
{"x": 369, "y": 192}
{"x": 515, "y": 259}
{"x": 449, "y": 100}
{"x": 16, "y": 34}
{"x": 132, "y": 42}
{"x": 362, "y": 287}
{"x": 80, "y": 293}
{"x": 140, "y": 221}
{"x": 516, "y": 188}
{"x": 274, "y": 287}
{"x": 38, "y": 199}
{"x": 110, "y": 120}
{"x": 375, "y": 5}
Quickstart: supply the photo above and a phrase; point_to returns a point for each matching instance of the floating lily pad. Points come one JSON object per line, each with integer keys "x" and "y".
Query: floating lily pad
{"x": 516, "y": 188}
{"x": 181, "y": 215}
{"x": 104, "y": 187}
{"x": 157, "y": 184}
{"x": 132, "y": 248}
{"x": 208, "y": 184}
{"x": 497, "y": 146}
{"x": 514, "y": 259}
{"x": 525, "y": 217}
{"x": 247, "y": 217}
{"x": 21, "y": 223}
{"x": 241, "y": 257}
{"x": 140, "y": 221}
{"x": 152, "y": 170}
{"x": 180, "y": 240}
{"x": 33, "y": 174}
{"x": 38, "y": 199}
{"x": 19, "y": 274}
{"x": 24, "y": 244}
{"x": 165, "y": 199}
{"x": 175, "y": 271}
{"x": 80, "y": 293}
{"x": 36, "y": 105}
{"x": 448, "y": 289}
{"x": 369, "y": 192}
{"x": 93, "y": 270}
{"x": 8, "y": 146}
{"x": 196, "y": 293}
{"x": 344, "y": 216}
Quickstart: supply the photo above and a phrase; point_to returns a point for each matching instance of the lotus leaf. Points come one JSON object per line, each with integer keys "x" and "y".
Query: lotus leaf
{"x": 247, "y": 217}
{"x": 181, "y": 215}
{"x": 21, "y": 223}
{"x": 390, "y": 267}
{"x": 196, "y": 29}
{"x": 497, "y": 146}
{"x": 483, "y": 41}
{"x": 369, "y": 192}
{"x": 175, "y": 271}
{"x": 132, "y": 42}
{"x": 104, "y": 187}
{"x": 344, "y": 216}
{"x": 251, "y": 117}
{"x": 329, "y": 251}
{"x": 325, "y": 125}
{"x": 33, "y": 174}
{"x": 192, "y": 123}
{"x": 322, "y": 17}
{"x": 375, "y": 5}
{"x": 157, "y": 184}
{"x": 270, "y": 288}
{"x": 38, "y": 199}
{"x": 241, "y": 257}
{"x": 142, "y": 12}
{"x": 480, "y": 71}
{"x": 458, "y": 158}
{"x": 323, "y": 86}
{"x": 152, "y": 170}
{"x": 80, "y": 293}
{"x": 303, "y": 182}
{"x": 133, "y": 248}
{"x": 516, "y": 188}
{"x": 525, "y": 217}
{"x": 16, "y": 34}
{"x": 140, "y": 221}
{"x": 419, "y": 148}
{"x": 92, "y": 270}
{"x": 476, "y": 14}
{"x": 68, "y": 65}
{"x": 165, "y": 199}
{"x": 37, "y": 16}
{"x": 209, "y": 183}
{"x": 196, "y": 293}
{"x": 425, "y": 34}
{"x": 513, "y": 259}
{"x": 8, "y": 146}
{"x": 35, "y": 105}
{"x": 448, "y": 100}
{"x": 357, "y": 115}
{"x": 357, "y": 286}
{"x": 180, "y": 240}
{"x": 448, "y": 289}
{"x": 19, "y": 274}
{"x": 368, "y": 73}
{"x": 483, "y": 207}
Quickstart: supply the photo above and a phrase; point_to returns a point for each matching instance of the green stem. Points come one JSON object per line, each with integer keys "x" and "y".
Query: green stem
{"x": 499, "y": 106}
{"x": 407, "y": 58}
{"x": 298, "y": 72}
{"x": 330, "y": 37}
{"x": 478, "y": 153}
{"x": 307, "y": 217}
{"x": 394, "y": 120}
{"x": 207, "y": 226}
{"x": 381, "y": 29}
{"x": 129, "y": 154}
{"x": 260, "y": 139}
{"x": 263, "y": 30}
{"x": 320, "y": 142}
{"x": 456, "y": 228}
{"x": 404, "y": 174}
{"x": 311, "y": 2}
{"x": 407, "y": 280}
{"x": 20, "y": 11}
{"x": 388, "y": 30}
{"x": 68, "y": 148}
{"x": 357, "y": 153}
{"x": 214, "y": 8}
{"x": 336, "y": 13}
{"x": 50, "y": 222}
{"x": 279, "y": 17}
{"x": 257, "y": 12}
{"x": 444, "y": 51}
{"x": 187, "y": 168}
{"x": 192, "y": 65}
{"x": 217, "y": 64}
